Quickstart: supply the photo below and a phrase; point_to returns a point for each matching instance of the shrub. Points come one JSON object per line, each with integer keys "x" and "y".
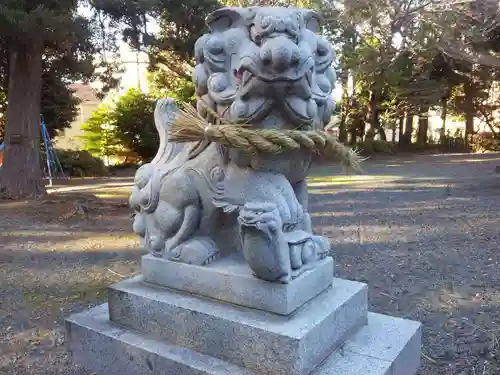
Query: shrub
{"x": 485, "y": 141}
{"x": 80, "y": 163}
{"x": 370, "y": 147}
{"x": 127, "y": 126}
{"x": 123, "y": 169}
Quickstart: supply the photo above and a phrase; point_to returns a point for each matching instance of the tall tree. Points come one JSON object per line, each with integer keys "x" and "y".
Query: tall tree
{"x": 58, "y": 106}
{"x": 471, "y": 54}
{"x": 171, "y": 50}
{"x": 29, "y": 29}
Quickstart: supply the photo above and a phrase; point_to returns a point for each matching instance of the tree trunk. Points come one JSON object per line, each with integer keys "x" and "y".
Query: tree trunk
{"x": 401, "y": 127}
{"x": 373, "y": 116}
{"x": 423, "y": 125}
{"x": 346, "y": 108}
{"x": 375, "y": 127}
{"x": 469, "y": 112}
{"x": 406, "y": 138}
{"x": 444, "y": 114}
{"x": 20, "y": 175}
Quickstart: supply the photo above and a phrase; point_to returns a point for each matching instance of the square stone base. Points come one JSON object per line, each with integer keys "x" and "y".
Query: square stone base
{"x": 231, "y": 280}
{"x": 250, "y": 338}
{"x": 386, "y": 346}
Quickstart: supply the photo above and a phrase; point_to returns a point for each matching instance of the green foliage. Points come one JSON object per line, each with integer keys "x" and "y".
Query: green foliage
{"x": 163, "y": 84}
{"x": 485, "y": 142}
{"x": 66, "y": 44}
{"x": 404, "y": 57}
{"x": 370, "y": 147}
{"x": 100, "y": 134}
{"x": 59, "y": 107}
{"x": 123, "y": 169}
{"x": 171, "y": 51}
{"x": 128, "y": 124}
{"x": 80, "y": 163}
{"x": 133, "y": 118}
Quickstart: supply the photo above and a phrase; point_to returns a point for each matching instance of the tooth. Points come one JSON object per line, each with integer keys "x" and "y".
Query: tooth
{"x": 246, "y": 76}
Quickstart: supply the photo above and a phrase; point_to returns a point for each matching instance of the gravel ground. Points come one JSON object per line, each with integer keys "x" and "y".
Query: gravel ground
{"x": 422, "y": 232}
{"x": 426, "y": 241}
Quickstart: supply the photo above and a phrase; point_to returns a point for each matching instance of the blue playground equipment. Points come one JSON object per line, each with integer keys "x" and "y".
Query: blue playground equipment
{"x": 51, "y": 165}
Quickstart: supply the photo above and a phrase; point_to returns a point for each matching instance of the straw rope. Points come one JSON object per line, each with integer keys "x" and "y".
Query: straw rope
{"x": 189, "y": 126}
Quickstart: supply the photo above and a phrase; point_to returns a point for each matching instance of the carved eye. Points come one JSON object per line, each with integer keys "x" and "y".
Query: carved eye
{"x": 273, "y": 226}
{"x": 215, "y": 46}
{"x": 255, "y": 36}
{"x": 265, "y": 22}
{"x": 322, "y": 50}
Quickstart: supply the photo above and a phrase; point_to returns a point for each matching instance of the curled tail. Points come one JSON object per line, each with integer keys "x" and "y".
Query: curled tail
{"x": 148, "y": 178}
{"x": 164, "y": 115}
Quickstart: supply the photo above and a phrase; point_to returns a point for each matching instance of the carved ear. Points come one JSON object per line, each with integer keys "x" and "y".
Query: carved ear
{"x": 312, "y": 20}
{"x": 222, "y": 19}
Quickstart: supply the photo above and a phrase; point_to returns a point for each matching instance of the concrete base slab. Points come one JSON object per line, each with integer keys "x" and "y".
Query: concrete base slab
{"x": 231, "y": 280}
{"x": 386, "y": 346}
{"x": 254, "y": 339}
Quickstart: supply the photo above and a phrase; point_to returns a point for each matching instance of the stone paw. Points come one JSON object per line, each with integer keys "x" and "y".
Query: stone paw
{"x": 305, "y": 251}
{"x": 157, "y": 246}
{"x": 323, "y": 246}
{"x": 197, "y": 251}
{"x": 211, "y": 259}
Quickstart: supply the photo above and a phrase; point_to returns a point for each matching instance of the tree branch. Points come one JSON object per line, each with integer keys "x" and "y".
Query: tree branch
{"x": 164, "y": 63}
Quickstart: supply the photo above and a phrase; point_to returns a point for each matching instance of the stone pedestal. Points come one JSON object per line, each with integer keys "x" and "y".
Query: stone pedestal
{"x": 180, "y": 319}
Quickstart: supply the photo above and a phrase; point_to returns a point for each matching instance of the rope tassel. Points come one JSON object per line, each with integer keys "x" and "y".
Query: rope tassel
{"x": 189, "y": 126}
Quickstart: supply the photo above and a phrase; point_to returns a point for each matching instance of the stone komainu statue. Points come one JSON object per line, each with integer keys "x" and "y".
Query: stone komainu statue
{"x": 199, "y": 201}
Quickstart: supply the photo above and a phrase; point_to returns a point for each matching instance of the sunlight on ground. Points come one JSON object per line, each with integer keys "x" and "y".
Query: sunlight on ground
{"x": 330, "y": 214}
{"x": 97, "y": 243}
{"x": 446, "y": 299}
{"x": 91, "y": 187}
{"x": 347, "y": 180}
{"x": 70, "y": 241}
{"x": 462, "y": 161}
{"x": 100, "y": 191}
{"x": 122, "y": 193}
{"x": 29, "y": 233}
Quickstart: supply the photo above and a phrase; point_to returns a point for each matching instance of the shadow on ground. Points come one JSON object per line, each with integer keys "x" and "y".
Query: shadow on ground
{"x": 422, "y": 232}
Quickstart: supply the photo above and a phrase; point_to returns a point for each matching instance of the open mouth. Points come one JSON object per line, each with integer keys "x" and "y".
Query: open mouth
{"x": 243, "y": 76}
{"x": 248, "y": 69}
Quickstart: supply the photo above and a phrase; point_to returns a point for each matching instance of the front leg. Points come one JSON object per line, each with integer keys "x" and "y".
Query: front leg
{"x": 190, "y": 222}
{"x": 300, "y": 190}
{"x": 302, "y": 194}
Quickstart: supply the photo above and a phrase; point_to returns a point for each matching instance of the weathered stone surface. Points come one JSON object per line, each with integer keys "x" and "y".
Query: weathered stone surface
{"x": 258, "y": 340}
{"x": 107, "y": 349}
{"x": 231, "y": 280}
{"x": 396, "y": 341}
{"x": 266, "y": 67}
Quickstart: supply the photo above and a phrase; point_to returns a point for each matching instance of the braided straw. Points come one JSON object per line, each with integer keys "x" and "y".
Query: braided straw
{"x": 189, "y": 126}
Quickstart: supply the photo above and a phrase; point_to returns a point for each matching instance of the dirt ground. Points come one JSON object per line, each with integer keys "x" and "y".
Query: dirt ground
{"x": 423, "y": 232}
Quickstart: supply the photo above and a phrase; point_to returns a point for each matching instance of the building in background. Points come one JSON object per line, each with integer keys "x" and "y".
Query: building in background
{"x": 71, "y": 139}
{"x": 132, "y": 73}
